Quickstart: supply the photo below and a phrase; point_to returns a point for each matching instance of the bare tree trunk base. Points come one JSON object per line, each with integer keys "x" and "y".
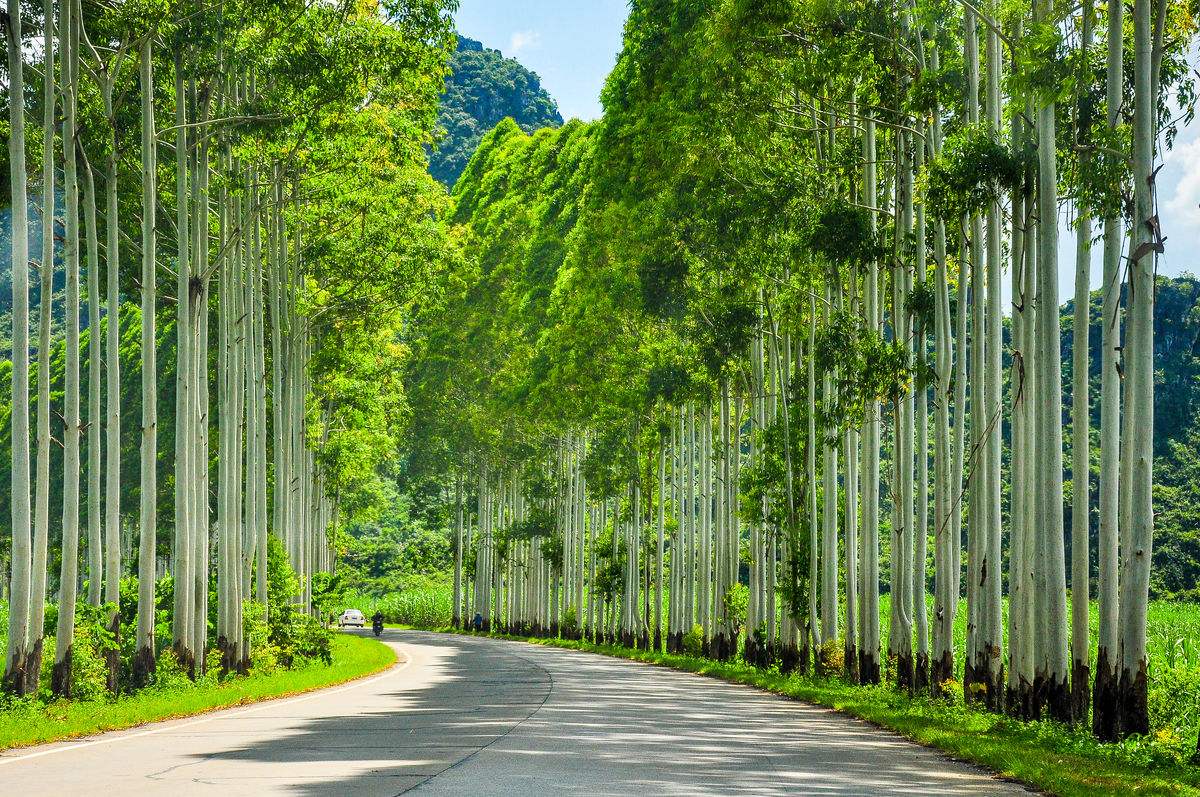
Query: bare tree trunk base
{"x": 60, "y": 675}
{"x": 112, "y": 656}
{"x": 941, "y": 671}
{"x": 969, "y": 679}
{"x": 1052, "y": 698}
{"x": 850, "y": 661}
{"x": 186, "y": 659}
{"x": 921, "y": 676}
{"x": 1131, "y": 702}
{"x": 751, "y": 651}
{"x": 657, "y": 641}
{"x": 33, "y": 667}
{"x": 1080, "y": 697}
{"x": 1019, "y": 700}
{"x": 868, "y": 669}
{"x": 16, "y": 679}
{"x": 142, "y": 666}
{"x": 905, "y": 672}
{"x": 791, "y": 658}
{"x": 1105, "y": 725}
{"x": 229, "y": 658}
{"x": 987, "y": 686}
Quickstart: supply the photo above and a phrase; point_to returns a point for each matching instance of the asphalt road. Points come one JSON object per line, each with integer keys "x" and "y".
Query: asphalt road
{"x": 471, "y": 716}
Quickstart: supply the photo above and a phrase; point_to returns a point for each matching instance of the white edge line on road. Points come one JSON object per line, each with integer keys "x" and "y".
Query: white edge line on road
{"x": 219, "y": 714}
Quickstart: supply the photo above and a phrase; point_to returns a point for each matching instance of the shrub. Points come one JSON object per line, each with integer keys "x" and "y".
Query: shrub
{"x": 93, "y": 640}
{"x": 693, "y": 641}
{"x": 831, "y": 657}
{"x": 1173, "y": 701}
{"x": 264, "y": 654}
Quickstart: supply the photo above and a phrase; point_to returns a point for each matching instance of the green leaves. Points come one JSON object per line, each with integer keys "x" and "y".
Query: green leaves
{"x": 974, "y": 170}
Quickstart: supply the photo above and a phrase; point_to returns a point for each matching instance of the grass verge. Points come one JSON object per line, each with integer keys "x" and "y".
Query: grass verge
{"x": 1045, "y": 755}
{"x": 32, "y": 723}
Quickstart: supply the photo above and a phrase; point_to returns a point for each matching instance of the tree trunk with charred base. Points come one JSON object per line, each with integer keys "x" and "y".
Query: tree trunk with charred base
{"x": 1051, "y": 685}
{"x": 60, "y": 682}
{"x": 144, "y": 657}
{"x": 1104, "y": 692}
{"x": 112, "y": 376}
{"x": 19, "y": 626}
{"x": 1138, "y": 449}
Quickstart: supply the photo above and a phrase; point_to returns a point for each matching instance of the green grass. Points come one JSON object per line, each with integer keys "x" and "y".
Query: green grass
{"x": 1046, "y": 755}
{"x": 29, "y": 722}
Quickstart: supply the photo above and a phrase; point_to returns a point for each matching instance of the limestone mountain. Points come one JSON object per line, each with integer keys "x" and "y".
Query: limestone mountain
{"x": 483, "y": 89}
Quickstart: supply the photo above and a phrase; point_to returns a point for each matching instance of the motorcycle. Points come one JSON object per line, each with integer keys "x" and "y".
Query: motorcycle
{"x": 377, "y": 627}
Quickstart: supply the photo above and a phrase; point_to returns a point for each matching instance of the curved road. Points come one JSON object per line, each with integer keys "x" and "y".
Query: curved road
{"x": 474, "y": 716}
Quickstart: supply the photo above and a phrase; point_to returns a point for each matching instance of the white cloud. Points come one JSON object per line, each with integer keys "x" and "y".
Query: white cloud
{"x": 1183, "y": 169}
{"x": 524, "y": 40}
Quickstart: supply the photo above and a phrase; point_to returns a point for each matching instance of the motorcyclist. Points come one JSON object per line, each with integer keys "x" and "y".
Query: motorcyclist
{"x": 377, "y": 622}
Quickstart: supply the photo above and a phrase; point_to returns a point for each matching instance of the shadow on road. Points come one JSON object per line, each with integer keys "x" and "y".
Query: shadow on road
{"x": 477, "y": 716}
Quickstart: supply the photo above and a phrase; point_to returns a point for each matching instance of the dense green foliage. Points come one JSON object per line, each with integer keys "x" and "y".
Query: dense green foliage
{"x": 483, "y": 88}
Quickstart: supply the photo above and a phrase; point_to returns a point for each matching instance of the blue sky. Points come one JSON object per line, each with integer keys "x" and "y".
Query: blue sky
{"x": 571, "y": 44}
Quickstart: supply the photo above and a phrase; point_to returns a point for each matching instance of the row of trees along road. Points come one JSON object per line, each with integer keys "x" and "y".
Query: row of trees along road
{"x": 254, "y": 174}
{"x": 749, "y": 328}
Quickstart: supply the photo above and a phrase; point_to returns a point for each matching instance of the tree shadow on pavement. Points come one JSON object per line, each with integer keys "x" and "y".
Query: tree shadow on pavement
{"x": 478, "y": 716}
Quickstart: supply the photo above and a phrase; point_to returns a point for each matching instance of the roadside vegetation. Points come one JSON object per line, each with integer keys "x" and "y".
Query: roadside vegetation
{"x": 171, "y": 694}
{"x": 1168, "y": 751}
{"x": 288, "y": 651}
{"x": 1057, "y": 758}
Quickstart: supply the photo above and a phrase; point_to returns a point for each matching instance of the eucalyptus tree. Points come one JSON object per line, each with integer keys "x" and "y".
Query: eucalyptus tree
{"x": 19, "y": 585}
{"x": 41, "y": 497}
{"x": 71, "y": 21}
{"x": 1137, "y": 446}
{"x": 144, "y": 657}
{"x": 1051, "y": 667}
{"x": 1104, "y": 703}
{"x": 1080, "y": 407}
{"x": 182, "y": 624}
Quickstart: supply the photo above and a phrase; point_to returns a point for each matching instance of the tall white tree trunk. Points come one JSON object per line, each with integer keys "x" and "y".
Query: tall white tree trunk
{"x": 829, "y": 493}
{"x": 95, "y": 366}
{"x": 1080, "y": 434}
{"x": 989, "y": 662}
{"x": 41, "y": 508}
{"x": 869, "y": 653}
{"x": 112, "y": 398}
{"x": 144, "y": 655}
{"x": 69, "y": 572}
{"x": 183, "y": 548}
{"x": 19, "y": 580}
{"x": 1104, "y": 696}
{"x": 921, "y": 519}
{"x": 1052, "y": 648}
{"x": 1138, "y": 450}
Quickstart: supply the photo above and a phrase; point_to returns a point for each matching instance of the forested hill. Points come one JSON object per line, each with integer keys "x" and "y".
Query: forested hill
{"x": 484, "y": 88}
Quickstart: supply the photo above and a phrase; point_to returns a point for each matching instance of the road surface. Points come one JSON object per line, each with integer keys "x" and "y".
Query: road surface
{"x": 473, "y": 716}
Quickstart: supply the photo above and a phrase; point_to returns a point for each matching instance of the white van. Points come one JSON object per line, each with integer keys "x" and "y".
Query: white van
{"x": 352, "y": 618}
